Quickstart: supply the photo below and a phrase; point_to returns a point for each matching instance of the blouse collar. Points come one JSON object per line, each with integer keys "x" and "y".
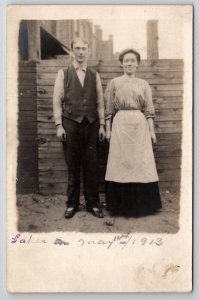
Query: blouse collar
{"x": 129, "y": 76}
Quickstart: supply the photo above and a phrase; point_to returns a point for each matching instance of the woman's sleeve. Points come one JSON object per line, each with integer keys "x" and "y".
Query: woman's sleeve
{"x": 109, "y": 99}
{"x": 149, "y": 110}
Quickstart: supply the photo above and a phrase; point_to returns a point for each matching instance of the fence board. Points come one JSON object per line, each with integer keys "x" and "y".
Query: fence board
{"x": 151, "y": 63}
{"x": 54, "y": 143}
{"x": 169, "y": 161}
{"x": 114, "y": 69}
{"x": 160, "y": 116}
{"x": 165, "y": 139}
{"x": 151, "y": 80}
{"x": 159, "y": 103}
{"x": 50, "y": 77}
{"x": 59, "y": 154}
{"x": 27, "y": 168}
{"x": 49, "y": 124}
{"x": 50, "y": 131}
{"x": 60, "y": 167}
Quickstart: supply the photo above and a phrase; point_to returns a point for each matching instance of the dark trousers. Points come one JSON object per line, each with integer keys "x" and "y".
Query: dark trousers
{"x": 80, "y": 149}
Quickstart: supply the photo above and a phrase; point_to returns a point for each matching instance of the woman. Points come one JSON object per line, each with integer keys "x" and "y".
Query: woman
{"x": 132, "y": 180}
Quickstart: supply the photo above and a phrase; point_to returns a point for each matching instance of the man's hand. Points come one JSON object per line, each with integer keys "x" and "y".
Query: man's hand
{"x": 101, "y": 133}
{"x": 61, "y": 134}
{"x": 153, "y": 137}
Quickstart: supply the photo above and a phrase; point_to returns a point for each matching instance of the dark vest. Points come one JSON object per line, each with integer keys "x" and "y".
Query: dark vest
{"x": 80, "y": 102}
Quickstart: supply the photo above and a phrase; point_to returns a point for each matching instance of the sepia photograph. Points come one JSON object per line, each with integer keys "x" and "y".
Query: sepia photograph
{"x": 115, "y": 147}
{"x": 98, "y": 136}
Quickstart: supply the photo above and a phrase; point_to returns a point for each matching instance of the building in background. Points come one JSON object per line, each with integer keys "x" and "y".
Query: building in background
{"x": 51, "y": 38}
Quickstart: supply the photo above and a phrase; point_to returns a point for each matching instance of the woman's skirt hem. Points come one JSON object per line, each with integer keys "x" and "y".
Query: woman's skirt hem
{"x": 132, "y": 199}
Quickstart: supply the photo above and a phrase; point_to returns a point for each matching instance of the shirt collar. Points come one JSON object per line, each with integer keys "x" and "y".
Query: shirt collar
{"x": 77, "y": 66}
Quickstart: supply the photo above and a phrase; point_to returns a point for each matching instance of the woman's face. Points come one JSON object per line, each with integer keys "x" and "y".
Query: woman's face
{"x": 129, "y": 63}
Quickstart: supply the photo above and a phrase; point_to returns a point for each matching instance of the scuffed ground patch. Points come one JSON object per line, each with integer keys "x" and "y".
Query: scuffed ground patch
{"x": 38, "y": 213}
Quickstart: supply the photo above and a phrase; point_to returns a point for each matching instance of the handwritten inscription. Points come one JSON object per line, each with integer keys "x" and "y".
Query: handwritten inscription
{"x": 18, "y": 238}
{"x": 122, "y": 240}
{"x": 26, "y": 240}
{"x": 60, "y": 242}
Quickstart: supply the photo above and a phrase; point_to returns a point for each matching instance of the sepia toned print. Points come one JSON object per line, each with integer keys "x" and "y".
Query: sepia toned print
{"x": 106, "y": 174}
{"x": 41, "y": 61}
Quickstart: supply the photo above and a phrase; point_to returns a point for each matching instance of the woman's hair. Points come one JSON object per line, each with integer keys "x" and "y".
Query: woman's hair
{"x": 129, "y": 50}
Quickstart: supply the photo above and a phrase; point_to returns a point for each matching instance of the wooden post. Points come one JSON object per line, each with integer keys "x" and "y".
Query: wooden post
{"x": 34, "y": 47}
{"x": 152, "y": 39}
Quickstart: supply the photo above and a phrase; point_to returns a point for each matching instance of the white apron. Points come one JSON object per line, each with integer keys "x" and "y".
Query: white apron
{"x": 131, "y": 157}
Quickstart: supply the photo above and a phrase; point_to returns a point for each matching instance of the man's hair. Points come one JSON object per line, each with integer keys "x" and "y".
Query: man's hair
{"x": 78, "y": 39}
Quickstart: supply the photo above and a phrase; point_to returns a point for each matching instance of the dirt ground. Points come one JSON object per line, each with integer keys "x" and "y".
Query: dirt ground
{"x": 38, "y": 213}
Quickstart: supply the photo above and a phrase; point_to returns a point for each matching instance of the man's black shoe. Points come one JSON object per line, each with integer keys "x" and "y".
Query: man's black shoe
{"x": 69, "y": 213}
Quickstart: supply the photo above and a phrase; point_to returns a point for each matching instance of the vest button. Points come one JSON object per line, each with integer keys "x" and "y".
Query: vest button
{"x": 84, "y": 101}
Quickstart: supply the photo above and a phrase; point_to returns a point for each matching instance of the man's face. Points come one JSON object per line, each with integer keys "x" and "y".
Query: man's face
{"x": 80, "y": 50}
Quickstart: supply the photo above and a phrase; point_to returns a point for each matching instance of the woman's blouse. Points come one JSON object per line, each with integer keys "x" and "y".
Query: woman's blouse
{"x": 128, "y": 93}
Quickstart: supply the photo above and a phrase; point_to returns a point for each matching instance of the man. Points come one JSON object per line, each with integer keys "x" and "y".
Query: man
{"x": 78, "y": 107}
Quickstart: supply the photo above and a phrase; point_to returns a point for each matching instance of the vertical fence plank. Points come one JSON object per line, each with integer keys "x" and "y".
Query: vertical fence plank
{"x": 27, "y": 168}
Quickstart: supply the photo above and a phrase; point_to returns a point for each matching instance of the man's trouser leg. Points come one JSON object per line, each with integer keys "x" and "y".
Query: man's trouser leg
{"x": 73, "y": 153}
{"x": 90, "y": 165}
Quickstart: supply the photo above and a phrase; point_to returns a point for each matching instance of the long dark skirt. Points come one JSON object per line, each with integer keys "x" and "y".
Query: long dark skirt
{"x": 132, "y": 199}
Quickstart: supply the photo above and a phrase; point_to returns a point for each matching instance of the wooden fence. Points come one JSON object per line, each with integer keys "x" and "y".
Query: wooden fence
{"x": 27, "y": 171}
{"x": 166, "y": 80}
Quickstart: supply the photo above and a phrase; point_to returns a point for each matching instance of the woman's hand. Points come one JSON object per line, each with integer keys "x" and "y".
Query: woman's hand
{"x": 101, "y": 133}
{"x": 61, "y": 133}
{"x": 153, "y": 137}
{"x": 108, "y": 135}
{"x": 108, "y": 129}
{"x": 151, "y": 129}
